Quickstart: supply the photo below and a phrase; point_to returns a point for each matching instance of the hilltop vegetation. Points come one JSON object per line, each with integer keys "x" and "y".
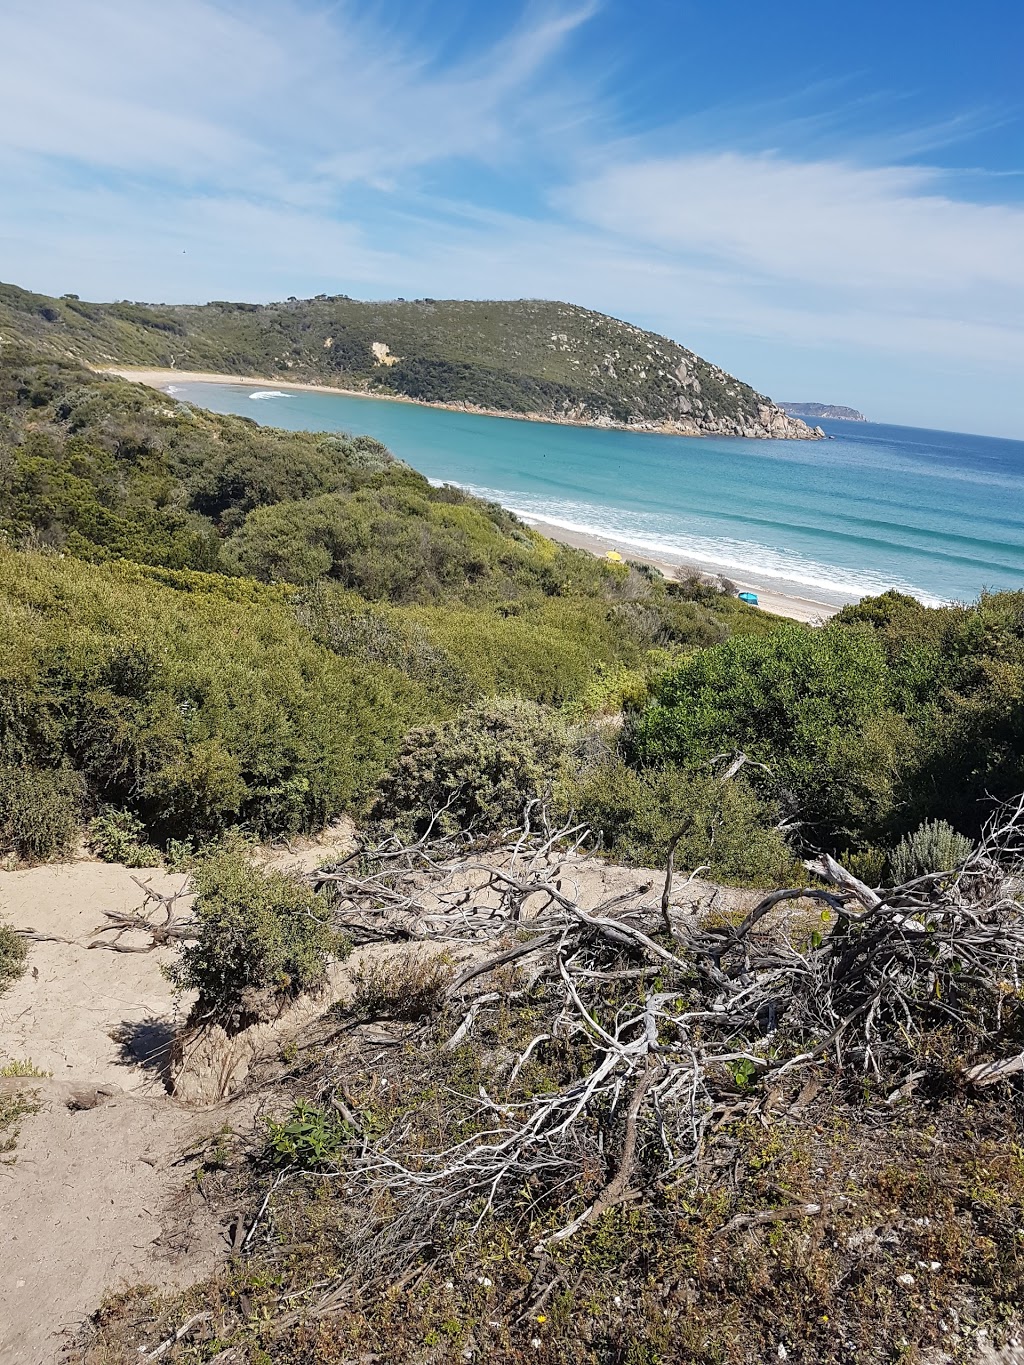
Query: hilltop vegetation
{"x": 256, "y": 618}
{"x": 526, "y": 356}
{"x": 814, "y": 411}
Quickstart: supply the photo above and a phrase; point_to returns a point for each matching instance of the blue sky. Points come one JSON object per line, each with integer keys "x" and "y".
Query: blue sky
{"x": 827, "y": 199}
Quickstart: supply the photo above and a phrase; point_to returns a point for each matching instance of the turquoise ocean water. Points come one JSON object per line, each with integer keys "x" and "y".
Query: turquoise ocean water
{"x": 934, "y": 513}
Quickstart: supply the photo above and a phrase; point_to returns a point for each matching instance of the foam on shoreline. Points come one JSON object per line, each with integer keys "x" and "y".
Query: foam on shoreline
{"x": 788, "y": 574}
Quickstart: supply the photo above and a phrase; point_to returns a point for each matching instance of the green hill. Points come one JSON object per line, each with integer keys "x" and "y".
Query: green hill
{"x": 529, "y": 357}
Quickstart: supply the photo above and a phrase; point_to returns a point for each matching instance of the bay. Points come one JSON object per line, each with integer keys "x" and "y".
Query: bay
{"x": 937, "y": 514}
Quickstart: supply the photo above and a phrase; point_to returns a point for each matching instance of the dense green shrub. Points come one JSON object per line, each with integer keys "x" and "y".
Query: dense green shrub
{"x": 196, "y": 702}
{"x": 118, "y": 836}
{"x": 957, "y": 674}
{"x": 934, "y": 846}
{"x": 893, "y": 714}
{"x": 263, "y": 938}
{"x": 723, "y": 827}
{"x": 476, "y": 772}
{"x": 396, "y": 540}
{"x": 13, "y": 955}
{"x": 40, "y": 811}
{"x": 814, "y": 706}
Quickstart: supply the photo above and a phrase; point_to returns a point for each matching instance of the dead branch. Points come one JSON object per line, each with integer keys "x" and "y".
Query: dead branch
{"x": 681, "y": 1026}
{"x": 617, "y": 1188}
{"x": 158, "y": 918}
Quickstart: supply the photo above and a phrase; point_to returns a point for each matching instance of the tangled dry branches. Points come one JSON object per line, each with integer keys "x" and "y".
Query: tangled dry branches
{"x": 676, "y": 1030}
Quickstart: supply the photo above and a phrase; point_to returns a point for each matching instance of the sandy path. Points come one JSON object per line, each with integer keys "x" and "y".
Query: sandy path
{"x": 85, "y": 1206}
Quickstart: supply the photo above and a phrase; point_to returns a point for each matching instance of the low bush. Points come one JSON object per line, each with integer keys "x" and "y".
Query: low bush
{"x": 13, "y": 955}
{"x": 118, "y": 836}
{"x": 476, "y": 772}
{"x": 934, "y": 846}
{"x": 263, "y": 938}
{"x": 40, "y": 811}
{"x": 407, "y": 988}
{"x": 724, "y": 827}
{"x": 870, "y": 865}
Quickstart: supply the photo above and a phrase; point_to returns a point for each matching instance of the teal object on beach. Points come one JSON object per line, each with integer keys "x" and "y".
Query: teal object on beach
{"x": 750, "y": 597}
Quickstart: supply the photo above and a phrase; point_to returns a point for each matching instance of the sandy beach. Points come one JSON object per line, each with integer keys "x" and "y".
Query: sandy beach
{"x": 780, "y": 603}
{"x": 160, "y": 379}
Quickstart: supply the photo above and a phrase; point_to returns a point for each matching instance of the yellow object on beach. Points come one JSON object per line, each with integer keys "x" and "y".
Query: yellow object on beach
{"x": 614, "y": 556}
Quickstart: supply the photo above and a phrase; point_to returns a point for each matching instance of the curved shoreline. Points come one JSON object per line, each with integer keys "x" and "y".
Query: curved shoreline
{"x": 794, "y": 606}
{"x": 809, "y": 610}
{"x": 157, "y": 379}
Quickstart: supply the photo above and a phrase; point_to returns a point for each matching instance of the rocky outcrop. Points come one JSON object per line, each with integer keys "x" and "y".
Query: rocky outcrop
{"x": 770, "y": 423}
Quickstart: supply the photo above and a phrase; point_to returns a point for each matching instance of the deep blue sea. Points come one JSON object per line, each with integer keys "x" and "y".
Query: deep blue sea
{"x": 934, "y": 513}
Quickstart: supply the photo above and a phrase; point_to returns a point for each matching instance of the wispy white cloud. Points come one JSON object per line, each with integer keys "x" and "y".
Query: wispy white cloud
{"x": 265, "y": 96}
{"x": 822, "y": 223}
{"x": 220, "y": 148}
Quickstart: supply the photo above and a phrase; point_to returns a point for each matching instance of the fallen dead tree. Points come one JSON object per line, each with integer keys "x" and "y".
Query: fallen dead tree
{"x": 671, "y": 1033}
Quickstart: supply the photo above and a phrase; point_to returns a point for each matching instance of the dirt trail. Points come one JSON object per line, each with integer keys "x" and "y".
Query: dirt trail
{"x": 95, "y": 1198}
{"x": 85, "y": 1206}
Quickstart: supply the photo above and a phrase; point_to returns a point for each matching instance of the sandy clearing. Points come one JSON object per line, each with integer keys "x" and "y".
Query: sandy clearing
{"x": 87, "y": 1204}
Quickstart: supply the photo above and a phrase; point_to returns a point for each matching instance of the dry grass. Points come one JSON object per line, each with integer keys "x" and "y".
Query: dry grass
{"x": 722, "y": 1268}
{"x": 402, "y": 987}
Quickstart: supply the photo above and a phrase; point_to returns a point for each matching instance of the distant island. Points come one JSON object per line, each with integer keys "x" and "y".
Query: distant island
{"x": 836, "y": 411}
{"x": 514, "y": 358}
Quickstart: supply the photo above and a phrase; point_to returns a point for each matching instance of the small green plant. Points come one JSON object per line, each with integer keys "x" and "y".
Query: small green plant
{"x": 24, "y": 1068}
{"x": 40, "y": 811}
{"x": 181, "y": 855}
{"x": 15, "y": 1107}
{"x": 310, "y": 1137}
{"x": 217, "y": 1156}
{"x": 13, "y": 955}
{"x": 263, "y": 938}
{"x": 119, "y": 836}
{"x": 743, "y": 1072}
{"x": 934, "y": 846}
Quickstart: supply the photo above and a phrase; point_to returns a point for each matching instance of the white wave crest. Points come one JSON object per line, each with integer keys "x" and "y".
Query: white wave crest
{"x": 268, "y": 393}
{"x": 743, "y": 557}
